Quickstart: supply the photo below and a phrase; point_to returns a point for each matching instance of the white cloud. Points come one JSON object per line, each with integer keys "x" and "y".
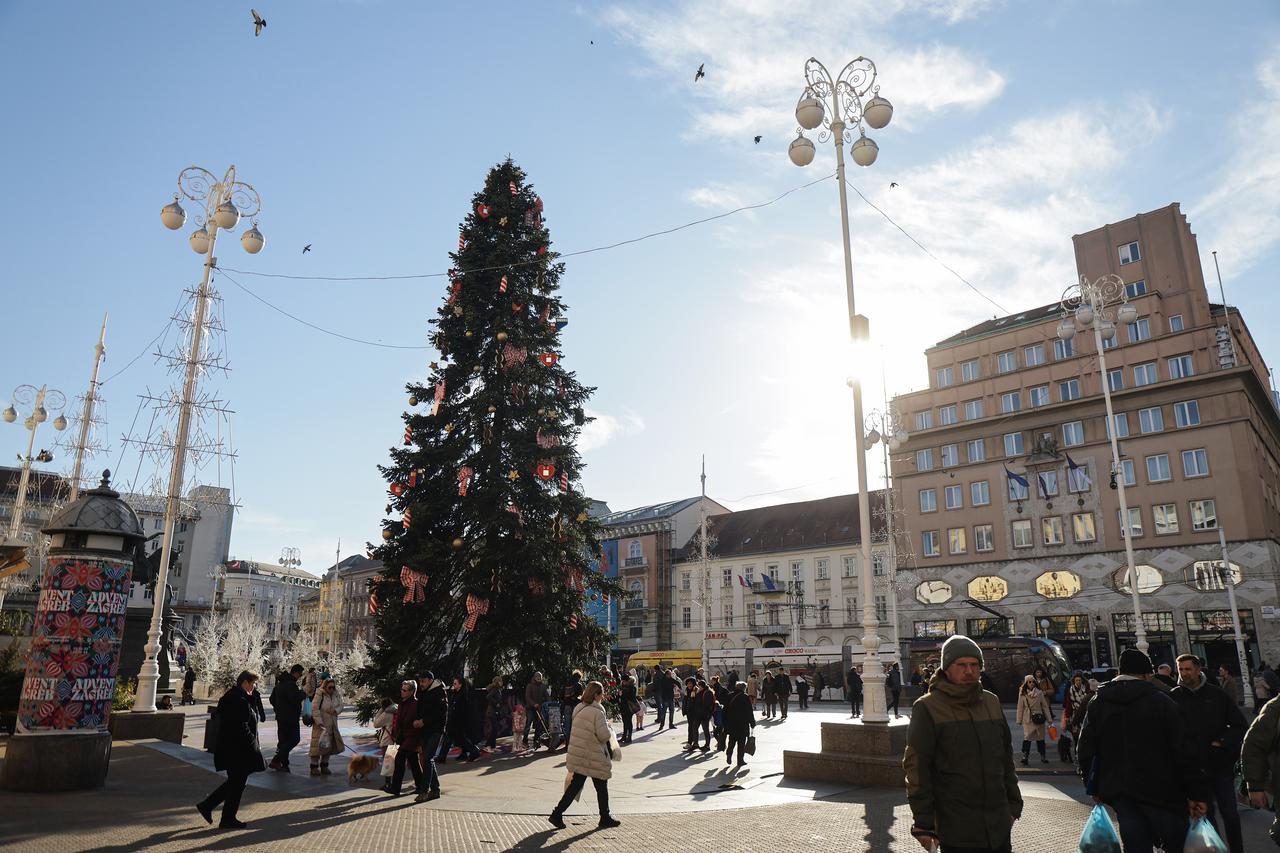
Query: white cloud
{"x": 605, "y": 428}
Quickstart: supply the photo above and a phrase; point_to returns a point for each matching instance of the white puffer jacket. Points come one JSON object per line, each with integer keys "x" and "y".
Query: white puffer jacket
{"x": 589, "y": 742}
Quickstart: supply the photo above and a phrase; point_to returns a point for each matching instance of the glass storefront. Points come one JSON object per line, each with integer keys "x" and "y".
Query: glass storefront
{"x": 935, "y": 628}
{"x": 1159, "y": 630}
{"x": 990, "y": 626}
{"x": 1072, "y": 633}
{"x": 1213, "y": 638}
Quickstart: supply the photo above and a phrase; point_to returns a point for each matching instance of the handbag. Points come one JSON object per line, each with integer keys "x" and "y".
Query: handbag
{"x": 750, "y": 748}
{"x": 389, "y": 759}
{"x": 1038, "y": 718}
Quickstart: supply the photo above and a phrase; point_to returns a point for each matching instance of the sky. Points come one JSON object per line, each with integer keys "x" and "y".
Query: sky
{"x": 367, "y": 126}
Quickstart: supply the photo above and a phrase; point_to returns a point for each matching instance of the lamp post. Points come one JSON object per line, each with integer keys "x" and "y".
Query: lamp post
{"x": 843, "y": 109}
{"x": 886, "y": 429}
{"x": 1087, "y": 305}
{"x": 225, "y": 200}
{"x": 37, "y": 403}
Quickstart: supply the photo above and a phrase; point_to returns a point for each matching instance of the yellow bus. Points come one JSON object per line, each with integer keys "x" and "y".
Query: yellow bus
{"x": 685, "y": 662}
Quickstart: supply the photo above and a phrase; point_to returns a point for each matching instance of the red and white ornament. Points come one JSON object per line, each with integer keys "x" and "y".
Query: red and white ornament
{"x": 502, "y": 285}
{"x": 439, "y": 398}
{"x": 564, "y": 481}
{"x": 408, "y": 517}
{"x": 476, "y": 607}
{"x": 573, "y": 621}
{"x": 545, "y": 470}
{"x": 408, "y": 436}
{"x": 483, "y": 211}
{"x": 462, "y": 242}
{"x": 465, "y": 473}
{"x": 512, "y": 187}
{"x": 549, "y": 359}
{"x": 397, "y": 489}
{"x": 413, "y": 479}
{"x": 414, "y": 583}
{"x": 513, "y": 356}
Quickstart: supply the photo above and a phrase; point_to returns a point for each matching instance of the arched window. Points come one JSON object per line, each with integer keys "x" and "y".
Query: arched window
{"x": 633, "y": 550}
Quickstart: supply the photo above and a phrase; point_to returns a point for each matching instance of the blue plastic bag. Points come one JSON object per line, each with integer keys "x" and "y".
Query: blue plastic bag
{"x": 306, "y": 711}
{"x": 1203, "y": 838}
{"x": 1099, "y": 834}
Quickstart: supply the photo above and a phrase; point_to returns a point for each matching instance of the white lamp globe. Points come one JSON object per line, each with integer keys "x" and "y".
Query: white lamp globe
{"x": 864, "y": 151}
{"x": 252, "y": 240}
{"x": 60, "y": 423}
{"x": 801, "y": 151}
{"x": 227, "y": 216}
{"x": 172, "y": 215}
{"x": 1085, "y": 314}
{"x": 10, "y": 415}
{"x": 1066, "y": 329}
{"x": 1108, "y": 330}
{"x": 873, "y": 436}
{"x": 1127, "y": 313}
{"x": 809, "y": 113}
{"x": 40, "y": 414}
{"x": 200, "y": 241}
{"x": 877, "y": 112}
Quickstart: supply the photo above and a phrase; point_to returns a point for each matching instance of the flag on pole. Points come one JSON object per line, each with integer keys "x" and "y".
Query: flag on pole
{"x": 1044, "y": 486}
{"x": 768, "y": 582}
{"x": 1020, "y": 480}
{"x": 743, "y": 581}
{"x": 1079, "y": 472}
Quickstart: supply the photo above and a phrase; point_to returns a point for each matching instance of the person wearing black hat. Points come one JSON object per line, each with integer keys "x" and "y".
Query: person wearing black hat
{"x": 433, "y": 713}
{"x": 1136, "y": 754}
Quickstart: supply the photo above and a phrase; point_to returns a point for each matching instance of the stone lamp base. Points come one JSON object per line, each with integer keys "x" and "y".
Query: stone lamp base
{"x": 858, "y": 753}
{"x": 55, "y": 762}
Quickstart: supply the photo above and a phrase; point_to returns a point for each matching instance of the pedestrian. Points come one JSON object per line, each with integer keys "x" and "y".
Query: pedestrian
{"x": 406, "y": 738}
{"x": 665, "y": 683}
{"x": 493, "y": 712}
{"x": 458, "y": 728}
{"x": 853, "y": 691}
{"x": 1218, "y": 728}
{"x": 739, "y": 722}
{"x": 1136, "y": 755}
{"x": 686, "y": 708}
{"x": 1164, "y": 680}
{"x": 802, "y": 690}
{"x": 1270, "y": 680}
{"x": 628, "y": 706}
{"x": 782, "y": 690}
{"x": 961, "y": 784}
{"x": 704, "y": 706}
{"x": 255, "y": 700}
{"x": 536, "y": 693}
{"x": 286, "y": 700}
{"x": 181, "y": 655}
{"x": 1046, "y": 685}
{"x": 326, "y": 739}
{"x": 641, "y": 701}
{"x": 721, "y": 694}
{"x": 589, "y": 755}
{"x": 767, "y": 695}
{"x": 236, "y": 751}
{"x": 382, "y": 722}
{"x": 1077, "y": 694}
{"x": 894, "y": 683}
{"x": 1230, "y": 684}
{"x": 188, "y": 687}
{"x": 753, "y": 687}
{"x": 433, "y": 713}
{"x": 310, "y": 682}
{"x": 819, "y": 687}
{"x": 1033, "y": 714}
{"x": 165, "y": 703}
{"x": 569, "y": 696}
{"x": 1260, "y": 761}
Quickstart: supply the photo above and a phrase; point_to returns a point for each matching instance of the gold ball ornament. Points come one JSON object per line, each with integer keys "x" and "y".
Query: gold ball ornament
{"x": 502, "y": 337}
{"x": 468, "y": 333}
{"x": 475, "y": 369}
{"x": 457, "y": 544}
{"x": 387, "y": 534}
{"x": 493, "y": 409}
{"x": 413, "y": 401}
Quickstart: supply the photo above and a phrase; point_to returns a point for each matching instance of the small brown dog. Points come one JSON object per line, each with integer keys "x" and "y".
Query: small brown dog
{"x": 360, "y": 766}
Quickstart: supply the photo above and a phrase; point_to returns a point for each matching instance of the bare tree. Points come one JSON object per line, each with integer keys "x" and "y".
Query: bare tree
{"x": 226, "y": 646}
{"x": 346, "y": 668}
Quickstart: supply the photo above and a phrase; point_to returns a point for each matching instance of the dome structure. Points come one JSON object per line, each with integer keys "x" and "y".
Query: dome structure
{"x": 98, "y": 511}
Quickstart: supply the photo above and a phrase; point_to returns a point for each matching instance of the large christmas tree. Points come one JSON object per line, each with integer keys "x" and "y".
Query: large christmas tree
{"x": 488, "y": 551}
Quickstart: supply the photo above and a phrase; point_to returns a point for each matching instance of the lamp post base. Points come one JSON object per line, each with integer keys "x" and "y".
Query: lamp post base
{"x": 859, "y": 753}
{"x": 56, "y": 762}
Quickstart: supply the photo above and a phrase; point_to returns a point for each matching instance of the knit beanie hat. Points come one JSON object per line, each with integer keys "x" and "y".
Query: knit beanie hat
{"x": 957, "y": 647}
{"x": 1134, "y": 662}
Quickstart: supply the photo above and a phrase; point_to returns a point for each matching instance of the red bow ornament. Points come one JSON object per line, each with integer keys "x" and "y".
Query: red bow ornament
{"x": 415, "y": 585}
{"x": 476, "y": 607}
{"x": 464, "y": 479}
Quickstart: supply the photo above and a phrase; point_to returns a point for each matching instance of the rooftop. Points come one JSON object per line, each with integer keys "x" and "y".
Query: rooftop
{"x": 250, "y": 567}
{"x": 998, "y": 325}
{"x": 789, "y": 527}
{"x": 647, "y": 513}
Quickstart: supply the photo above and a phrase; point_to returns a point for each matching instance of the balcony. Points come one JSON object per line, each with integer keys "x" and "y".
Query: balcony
{"x": 633, "y": 604}
{"x": 633, "y": 563}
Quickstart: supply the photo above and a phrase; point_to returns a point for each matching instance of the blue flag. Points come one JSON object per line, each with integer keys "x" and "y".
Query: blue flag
{"x": 1021, "y": 481}
{"x": 768, "y": 583}
{"x": 1078, "y": 471}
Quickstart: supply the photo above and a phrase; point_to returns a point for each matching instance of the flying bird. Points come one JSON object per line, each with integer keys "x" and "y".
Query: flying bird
{"x": 306, "y": 248}
{"x": 758, "y": 140}
{"x": 892, "y": 184}
{"x": 259, "y": 23}
{"x": 699, "y": 74}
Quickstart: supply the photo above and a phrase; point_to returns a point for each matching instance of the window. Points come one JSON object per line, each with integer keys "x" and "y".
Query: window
{"x": 1186, "y": 414}
{"x": 1034, "y": 355}
{"x": 924, "y": 459}
{"x": 1017, "y": 491}
{"x": 1069, "y": 390}
{"x": 849, "y": 565}
{"x": 1135, "y": 288}
{"x": 1072, "y": 434}
{"x": 1195, "y": 463}
{"x": 953, "y": 497}
{"x": 686, "y": 617}
{"x": 979, "y": 493}
{"x": 1109, "y": 342}
{"x": 684, "y": 582}
{"x": 1011, "y": 402}
{"x": 950, "y": 455}
{"x": 1048, "y": 483}
{"x": 1158, "y": 468}
{"x": 924, "y": 420}
{"x": 929, "y": 539}
{"x": 749, "y": 572}
{"x": 1082, "y": 527}
{"x": 970, "y": 370}
{"x": 1022, "y": 534}
{"x": 882, "y": 608}
{"x": 1127, "y": 472}
{"x": 955, "y": 540}
{"x": 726, "y": 576}
{"x": 1006, "y": 362}
{"x": 851, "y": 611}
{"x": 1013, "y": 444}
{"x": 972, "y": 410}
{"x": 1144, "y": 374}
{"x": 977, "y": 450}
{"x": 726, "y": 614}
{"x": 1064, "y": 349}
{"x": 797, "y": 570}
{"x": 983, "y": 538}
{"x": 1121, "y": 425}
{"x": 1175, "y": 323}
{"x": 1150, "y": 420}
{"x": 947, "y": 415}
{"x": 1165, "y": 517}
{"x": 1115, "y": 379}
{"x": 1135, "y": 520}
{"x": 1051, "y": 530}
{"x": 1039, "y": 396}
{"x": 1180, "y": 367}
{"x": 946, "y": 377}
{"x": 1204, "y": 515}
{"x": 824, "y": 611}
{"x": 634, "y": 551}
{"x": 1139, "y": 330}
{"x": 877, "y": 564}
{"x": 823, "y": 568}
{"x": 1078, "y": 478}
{"x": 1129, "y": 253}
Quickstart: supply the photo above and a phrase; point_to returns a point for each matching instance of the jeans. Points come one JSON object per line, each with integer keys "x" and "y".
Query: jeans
{"x": 409, "y": 757}
{"x": 667, "y": 707}
{"x": 783, "y": 702}
{"x": 575, "y": 787}
{"x": 290, "y": 736}
{"x": 1026, "y": 748}
{"x": 228, "y": 794}
{"x": 895, "y": 695}
{"x": 428, "y": 747}
{"x": 626, "y": 725}
{"x": 1142, "y": 825}
{"x": 804, "y": 699}
{"x": 1223, "y": 790}
{"x": 855, "y": 703}
{"x": 740, "y": 741}
{"x": 533, "y": 719}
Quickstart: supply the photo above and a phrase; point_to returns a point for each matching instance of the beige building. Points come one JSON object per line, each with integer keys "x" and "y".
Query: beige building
{"x": 1200, "y": 444}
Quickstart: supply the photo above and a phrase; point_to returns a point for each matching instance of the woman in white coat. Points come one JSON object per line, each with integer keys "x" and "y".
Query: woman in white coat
{"x": 590, "y": 755}
{"x": 1033, "y": 713}
{"x": 326, "y": 740}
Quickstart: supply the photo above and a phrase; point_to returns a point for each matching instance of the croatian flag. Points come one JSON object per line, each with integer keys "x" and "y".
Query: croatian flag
{"x": 743, "y": 581}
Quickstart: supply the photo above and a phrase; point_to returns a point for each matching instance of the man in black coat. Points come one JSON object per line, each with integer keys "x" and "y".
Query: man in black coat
{"x": 666, "y": 684}
{"x": 236, "y": 751}
{"x": 433, "y": 714}
{"x": 1136, "y": 755}
{"x": 1218, "y": 728}
{"x": 782, "y": 690}
{"x": 286, "y": 699}
{"x": 739, "y": 720}
{"x": 853, "y": 691}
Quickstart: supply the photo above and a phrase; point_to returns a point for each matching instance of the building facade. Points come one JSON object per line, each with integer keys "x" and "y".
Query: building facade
{"x": 1005, "y": 481}
{"x": 46, "y": 492}
{"x": 270, "y": 592}
{"x": 356, "y": 615}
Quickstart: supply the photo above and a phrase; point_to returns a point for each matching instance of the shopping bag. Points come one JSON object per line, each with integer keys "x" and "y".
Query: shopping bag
{"x": 1053, "y": 732}
{"x": 750, "y": 748}
{"x": 1203, "y": 838}
{"x": 615, "y": 749}
{"x": 1099, "y": 835}
{"x": 306, "y": 712}
{"x": 389, "y": 759}
{"x": 326, "y": 740}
